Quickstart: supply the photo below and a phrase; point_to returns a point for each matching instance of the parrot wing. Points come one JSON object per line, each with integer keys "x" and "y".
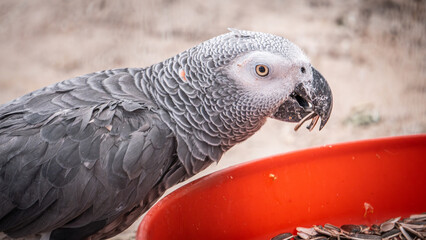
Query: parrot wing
{"x": 81, "y": 169}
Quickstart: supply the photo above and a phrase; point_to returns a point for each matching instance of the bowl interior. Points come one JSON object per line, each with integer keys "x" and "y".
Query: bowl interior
{"x": 329, "y": 184}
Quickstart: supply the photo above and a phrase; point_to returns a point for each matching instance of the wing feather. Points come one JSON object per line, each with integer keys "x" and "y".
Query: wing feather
{"x": 86, "y": 150}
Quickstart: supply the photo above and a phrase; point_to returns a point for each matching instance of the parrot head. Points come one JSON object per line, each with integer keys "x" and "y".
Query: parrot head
{"x": 269, "y": 77}
{"x": 293, "y": 89}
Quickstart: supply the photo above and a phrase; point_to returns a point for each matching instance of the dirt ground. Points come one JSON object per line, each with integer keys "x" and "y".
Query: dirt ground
{"x": 373, "y": 54}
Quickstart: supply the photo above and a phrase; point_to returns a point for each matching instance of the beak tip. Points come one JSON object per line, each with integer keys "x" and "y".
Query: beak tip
{"x": 324, "y": 100}
{"x": 324, "y": 120}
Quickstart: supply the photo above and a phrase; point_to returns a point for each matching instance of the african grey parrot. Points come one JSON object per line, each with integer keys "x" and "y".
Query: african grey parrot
{"x": 84, "y": 158}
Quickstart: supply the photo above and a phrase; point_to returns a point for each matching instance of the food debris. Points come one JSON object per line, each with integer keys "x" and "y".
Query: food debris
{"x": 271, "y": 175}
{"x": 368, "y": 209}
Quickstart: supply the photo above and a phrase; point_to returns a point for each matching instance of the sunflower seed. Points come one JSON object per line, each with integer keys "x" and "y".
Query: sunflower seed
{"x": 303, "y": 235}
{"x": 283, "y": 236}
{"x": 391, "y": 234}
{"x": 323, "y": 231}
{"x": 389, "y": 224}
{"x": 309, "y": 231}
{"x": 351, "y": 228}
{"x": 409, "y": 229}
{"x": 319, "y": 237}
{"x": 386, "y": 227}
{"x": 418, "y": 216}
{"x": 361, "y": 236}
{"x": 414, "y": 225}
{"x": 332, "y": 228}
{"x": 406, "y": 235}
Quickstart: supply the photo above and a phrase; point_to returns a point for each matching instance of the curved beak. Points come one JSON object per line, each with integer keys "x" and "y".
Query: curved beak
{"x": 309, "y": 100}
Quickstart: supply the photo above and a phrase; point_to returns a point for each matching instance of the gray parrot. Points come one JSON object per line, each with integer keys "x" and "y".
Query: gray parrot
{"x": 84, "y": 158}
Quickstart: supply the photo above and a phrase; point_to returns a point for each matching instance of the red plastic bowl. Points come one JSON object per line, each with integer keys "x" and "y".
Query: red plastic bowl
{"x": 329, "y": 184}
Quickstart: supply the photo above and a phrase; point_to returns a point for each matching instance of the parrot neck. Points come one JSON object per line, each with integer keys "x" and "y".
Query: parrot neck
{"x": 244, "y": 118}
{"x": 206, "y": 119}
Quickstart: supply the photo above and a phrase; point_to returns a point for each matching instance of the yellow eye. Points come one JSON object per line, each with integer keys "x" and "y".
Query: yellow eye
{"x": 262, "y": 70}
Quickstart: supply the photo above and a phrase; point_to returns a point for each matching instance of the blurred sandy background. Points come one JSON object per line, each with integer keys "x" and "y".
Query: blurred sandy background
{"x": 373, "y": 54}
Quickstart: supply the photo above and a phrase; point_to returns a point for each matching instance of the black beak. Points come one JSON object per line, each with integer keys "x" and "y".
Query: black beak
{"x": 309, "y": 100}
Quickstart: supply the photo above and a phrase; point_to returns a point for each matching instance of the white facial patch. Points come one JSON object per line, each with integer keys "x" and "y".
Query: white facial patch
{"x": 283, "y": 73}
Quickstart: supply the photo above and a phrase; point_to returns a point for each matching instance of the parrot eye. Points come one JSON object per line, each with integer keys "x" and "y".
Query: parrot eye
{"x": 303, "y": 70}
{"x": 262, "y": 70}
